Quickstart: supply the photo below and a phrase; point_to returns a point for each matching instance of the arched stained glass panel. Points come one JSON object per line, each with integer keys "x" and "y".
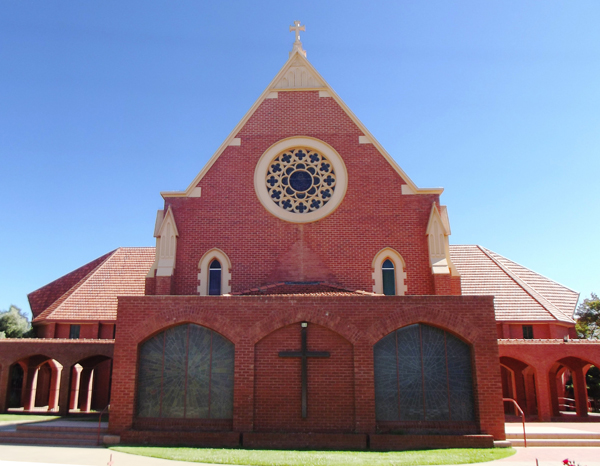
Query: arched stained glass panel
{"x": 423, "y": 373}
{"x": 214, "y": 279}
{"x": 186, "y": 372}
{"x": 389, "y": 278}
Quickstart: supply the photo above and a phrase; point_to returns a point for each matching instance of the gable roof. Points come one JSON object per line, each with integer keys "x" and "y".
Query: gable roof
{"x": 297, "y": 74}
{"x": 519, "y": 294}
{"x": 90, "y": 292}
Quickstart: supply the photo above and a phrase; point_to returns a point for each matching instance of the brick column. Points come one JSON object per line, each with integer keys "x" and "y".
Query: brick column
{"x": 30, "y": 387}
{"x": 4, "y": 388}
{"x": 364, "y": 389}
{"x": 86, "y": 384}
{"x": 75, "y": 383}
{"x": 54, "y": 389}
{"x": 64, "y": 391}
{"x": 580, "y": 391}
{"x": 243, "y": 390}
{"x": 544, "y": 395}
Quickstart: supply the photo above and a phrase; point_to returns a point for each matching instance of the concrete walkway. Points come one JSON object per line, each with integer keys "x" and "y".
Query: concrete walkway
{"x": 26, "y": 455}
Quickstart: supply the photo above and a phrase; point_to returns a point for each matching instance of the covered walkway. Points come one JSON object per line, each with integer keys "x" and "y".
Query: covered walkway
{"x": 535, "y": 373}
{"x": 55, "y": 375}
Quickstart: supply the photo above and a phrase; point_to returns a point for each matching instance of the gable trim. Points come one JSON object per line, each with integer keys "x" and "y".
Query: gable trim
{"x": 272, "y": 88}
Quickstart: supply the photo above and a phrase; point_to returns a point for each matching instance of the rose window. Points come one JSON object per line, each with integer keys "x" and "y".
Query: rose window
{"x": 300, "y": 180}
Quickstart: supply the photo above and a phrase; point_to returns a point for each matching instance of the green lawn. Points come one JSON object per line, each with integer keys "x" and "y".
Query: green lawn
{"x": 320, "y": 458}
{"x": 26, "y": 417}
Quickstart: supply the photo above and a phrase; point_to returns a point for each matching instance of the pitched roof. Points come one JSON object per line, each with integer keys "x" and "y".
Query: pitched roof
{"x": 301, "y": 288}
{"x": 519, "y": 293}
{"x": 94, "y": 295}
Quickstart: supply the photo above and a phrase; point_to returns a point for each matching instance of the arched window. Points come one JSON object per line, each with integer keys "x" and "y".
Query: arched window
{"x": 389, "y": 278}
{"x": 214, "y": 273}
{"x": 214, "y": 280}
{"x": 186, "y": 372}
{"x": 423, "y": 373}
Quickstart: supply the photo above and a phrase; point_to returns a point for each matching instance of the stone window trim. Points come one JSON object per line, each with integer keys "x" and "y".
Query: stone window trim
{"x": 300, "y": 142}
{"x": 204, "y": 274}
{"x": 399, "y": 270}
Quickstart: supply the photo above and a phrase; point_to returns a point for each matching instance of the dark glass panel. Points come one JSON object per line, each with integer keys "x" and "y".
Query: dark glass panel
{"x": 388, "y": 264}
{"x": 386, "y": 379}
{"x": 150, "y": 376}
{"x": 198, "y": 377}
{"x": 221, "y": 384}
{"x": 186, "y": 371}
{"x": 410, "y": 373}
{"x": 74, "y": 332}
{"x": 528, "y": 332}
{"x": 173, "y": 391}
{"x": 214, "y": 278}
{"x": 460, "y": 379}
{"x": 389, "y": 282}
{"x": 435, "y": 374}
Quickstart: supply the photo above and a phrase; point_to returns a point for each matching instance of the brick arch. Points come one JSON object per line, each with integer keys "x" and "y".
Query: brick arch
{"x": 167, "y": 319}
{"x": 462, "y": 328}
{"x": 276, "y": 321}
{"x": 43, "y": 358}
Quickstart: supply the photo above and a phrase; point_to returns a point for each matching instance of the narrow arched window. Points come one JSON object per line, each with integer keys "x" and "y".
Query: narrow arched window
{"x": 389, "y": 278}
{"x": 214, "y": 280}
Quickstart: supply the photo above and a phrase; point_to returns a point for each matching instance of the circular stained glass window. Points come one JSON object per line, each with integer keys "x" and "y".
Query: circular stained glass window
{"x": 300, "y": 180}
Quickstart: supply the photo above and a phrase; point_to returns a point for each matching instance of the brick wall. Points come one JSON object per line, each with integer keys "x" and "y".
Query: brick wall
{"x": 264, "y": 249}
{"x": 347, "y": 326}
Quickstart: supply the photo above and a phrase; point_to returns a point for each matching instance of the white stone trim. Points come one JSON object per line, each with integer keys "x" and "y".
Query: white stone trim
{"x": 364, "y": 140}
{"x": 235, "y": 142}
{"x": 203, "y": 265}
{"x": 406, "y": 189}
{"x": 438, "y": 231}
{"x": 166, "y": 245}
{"x": 196, "y": 192}
{"x": 308, "y": 143}
{"x": 272, "y": 95}
{"x": 399, "y": 271}
{"x": 324, "y": 94}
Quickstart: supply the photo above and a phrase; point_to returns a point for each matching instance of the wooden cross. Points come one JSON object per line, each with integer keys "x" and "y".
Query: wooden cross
{"x": 304, "y": 354}
{"x": 296, "y": 27}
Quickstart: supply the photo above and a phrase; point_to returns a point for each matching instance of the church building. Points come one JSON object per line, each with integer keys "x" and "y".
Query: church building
{"x": 303, "y": 293}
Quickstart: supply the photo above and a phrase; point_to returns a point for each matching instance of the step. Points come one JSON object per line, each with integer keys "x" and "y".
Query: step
{"x": 579, "y": 442}
{"x": 49, "y": 435}
{"x": 554, "y": 435}
{"x": 47, "y": 441}
{"x": 50, "y": 428}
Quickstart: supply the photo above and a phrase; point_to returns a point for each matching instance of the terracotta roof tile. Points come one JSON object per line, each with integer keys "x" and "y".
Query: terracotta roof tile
{"x": 94, "y": 297}
{"x": 519, "y": 293}
{"x": 44, "y": 297}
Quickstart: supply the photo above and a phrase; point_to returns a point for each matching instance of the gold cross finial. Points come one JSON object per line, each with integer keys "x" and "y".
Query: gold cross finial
{"x": 297, "y": 28}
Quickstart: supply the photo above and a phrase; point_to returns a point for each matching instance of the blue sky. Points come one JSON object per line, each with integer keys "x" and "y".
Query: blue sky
{"x": 105, "y": 104}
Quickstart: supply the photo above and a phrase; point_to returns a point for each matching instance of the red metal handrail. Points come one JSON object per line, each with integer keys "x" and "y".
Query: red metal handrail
{"x": 522, "y": 416}
{"x": 107, "y": 409}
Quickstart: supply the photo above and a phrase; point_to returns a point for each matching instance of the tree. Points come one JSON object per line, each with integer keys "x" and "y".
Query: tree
{"x": 14, "y": 324}
{"x": 588, "y": 318}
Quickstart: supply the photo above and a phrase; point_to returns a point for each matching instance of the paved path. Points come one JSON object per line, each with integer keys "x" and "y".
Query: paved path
{"x": 26, "y": 455}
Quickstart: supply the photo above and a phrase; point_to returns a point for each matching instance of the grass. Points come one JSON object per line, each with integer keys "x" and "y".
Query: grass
{"x": 26, "y": 417}
{"x": 320, "y": 458}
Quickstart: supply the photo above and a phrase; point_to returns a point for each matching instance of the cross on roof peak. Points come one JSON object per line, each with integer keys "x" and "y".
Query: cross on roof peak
{"x": 297, "y": 44}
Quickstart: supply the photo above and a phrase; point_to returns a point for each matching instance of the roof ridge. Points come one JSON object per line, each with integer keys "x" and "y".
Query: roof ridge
{"x": 69, "y": 294}
{"x": 531, "y": 291}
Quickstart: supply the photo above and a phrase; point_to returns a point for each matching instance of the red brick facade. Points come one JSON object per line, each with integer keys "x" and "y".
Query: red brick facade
{"x": 329, "y": 262}
{"x": 341, "y": 388}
